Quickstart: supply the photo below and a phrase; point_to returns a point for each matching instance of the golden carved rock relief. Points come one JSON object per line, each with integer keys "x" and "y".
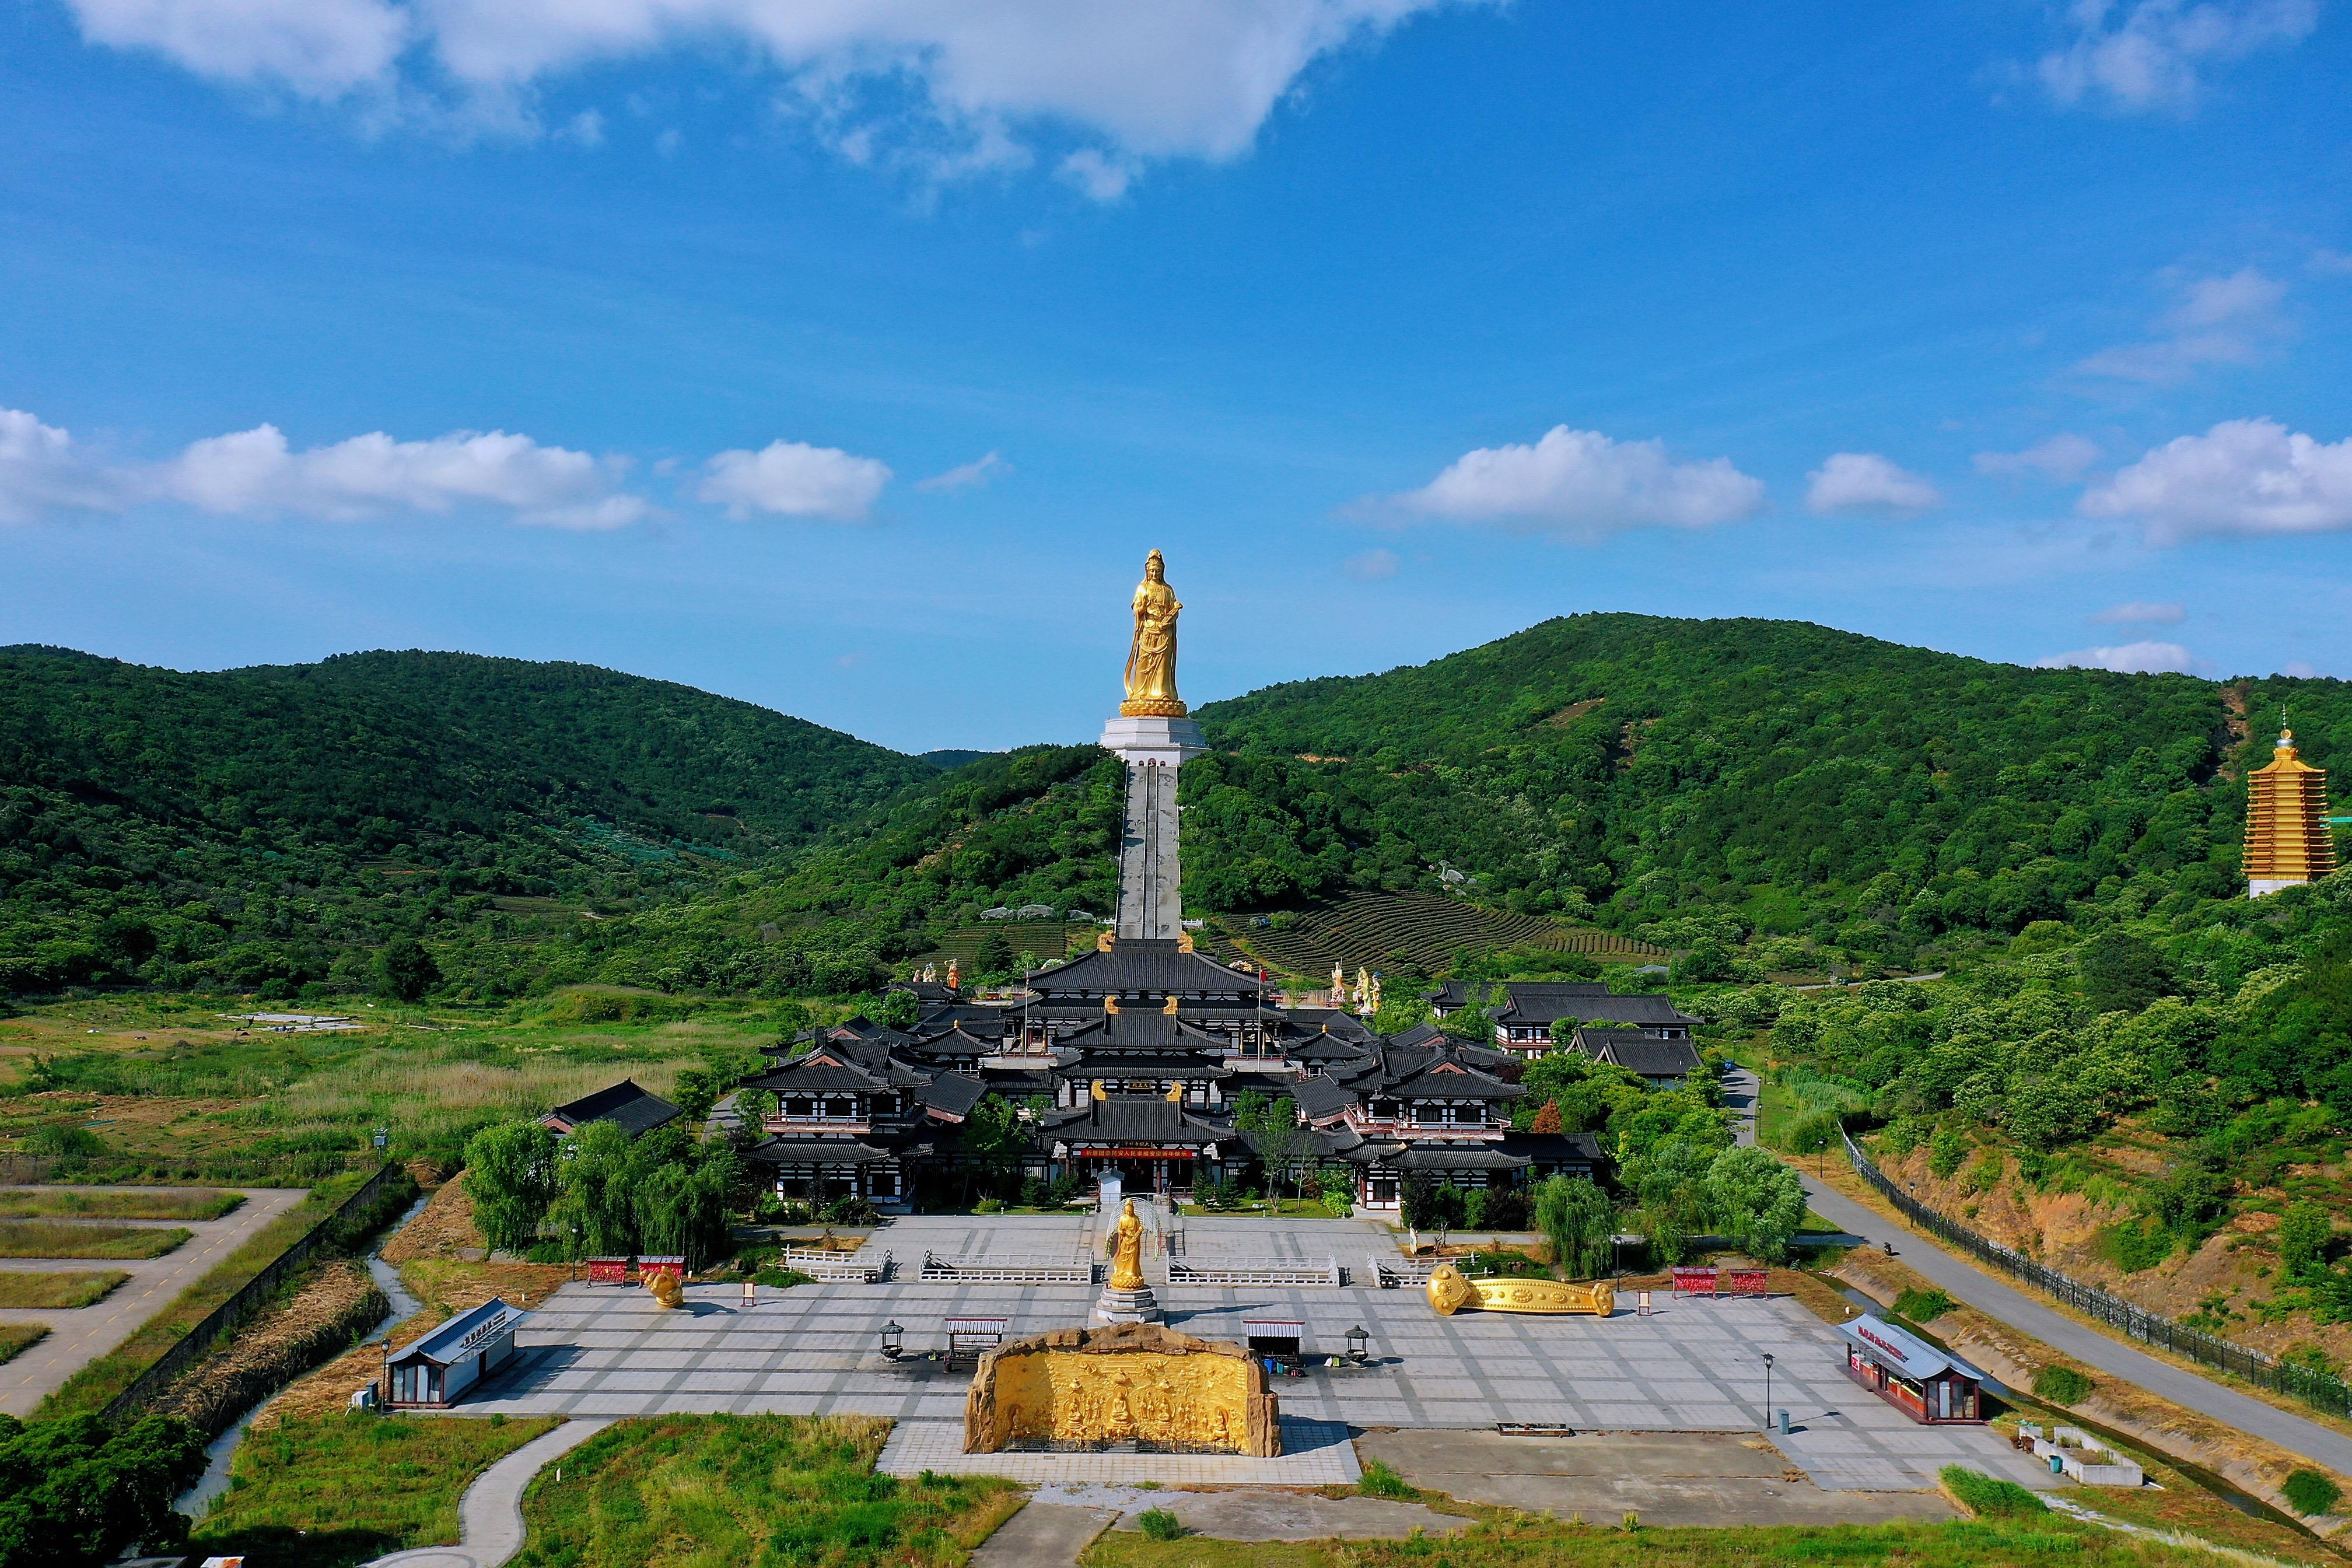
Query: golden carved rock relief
{"x": 1133, "y": 1382}
{"x": 1451, "y": 1290}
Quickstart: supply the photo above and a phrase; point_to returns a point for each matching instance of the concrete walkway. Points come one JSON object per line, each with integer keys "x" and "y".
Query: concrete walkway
{"x": 1043, "y": 1535}
{"x": 1990, "y": 1294}
{"x": 80, "y": 1336}
{"x": 489, "y": 1517}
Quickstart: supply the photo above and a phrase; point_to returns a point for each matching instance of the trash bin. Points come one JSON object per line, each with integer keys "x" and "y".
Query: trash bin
{"x": 1784, "y": 1423}
{"x": 2057, "y": 1464}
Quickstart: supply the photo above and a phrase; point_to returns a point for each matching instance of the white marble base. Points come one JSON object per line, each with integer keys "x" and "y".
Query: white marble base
{"x": 2257, "y": 886}
{"x": 1126, "y": 1307}
{"x": 1169, "y": 742}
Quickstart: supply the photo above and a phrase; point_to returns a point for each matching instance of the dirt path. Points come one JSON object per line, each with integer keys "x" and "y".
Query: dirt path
{"x": 82, "y": 1336}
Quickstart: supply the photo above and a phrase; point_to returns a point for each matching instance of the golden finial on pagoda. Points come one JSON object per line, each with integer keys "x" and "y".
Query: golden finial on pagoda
{"x": 2288, "y": 840}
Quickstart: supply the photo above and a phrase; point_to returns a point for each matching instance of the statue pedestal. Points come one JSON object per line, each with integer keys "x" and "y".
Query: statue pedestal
{"x": 1169, "y": 742}
{"x": 1136, "y": 1305}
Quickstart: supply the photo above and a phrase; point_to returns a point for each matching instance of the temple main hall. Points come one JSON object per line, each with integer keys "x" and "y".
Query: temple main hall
{"x": 1131, "y": 1058}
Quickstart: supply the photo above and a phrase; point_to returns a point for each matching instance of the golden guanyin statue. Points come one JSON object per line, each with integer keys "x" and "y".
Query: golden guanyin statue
{"x": 1126, "y": 1248}
{"x": 1151, "y": 657}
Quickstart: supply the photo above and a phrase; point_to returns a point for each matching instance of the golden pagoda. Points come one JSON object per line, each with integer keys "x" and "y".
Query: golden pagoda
{"x": 2288, "y": 842}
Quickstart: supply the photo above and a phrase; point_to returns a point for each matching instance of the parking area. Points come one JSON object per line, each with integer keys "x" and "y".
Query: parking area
{"x": 1695, "y": 1365}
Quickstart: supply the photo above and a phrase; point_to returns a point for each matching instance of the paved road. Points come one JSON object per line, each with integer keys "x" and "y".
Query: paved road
{"x": 82, "y": 1336}
{"x": 490, "y": 1516}
{"x": 1995, "y": 1297}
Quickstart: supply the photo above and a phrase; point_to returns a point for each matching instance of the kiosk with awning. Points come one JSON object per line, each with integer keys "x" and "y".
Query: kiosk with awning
{"x": 435, "y": 1371}
{"x": 1923, "y": 1383}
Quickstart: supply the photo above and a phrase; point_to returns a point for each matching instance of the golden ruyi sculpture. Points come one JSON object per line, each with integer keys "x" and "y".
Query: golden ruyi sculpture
{"x": 1134, "y": 1382}
{"x": 1125, "y": 1250}
{"x": 1151, "y": 655}
{"x": 1451, "y": 1290}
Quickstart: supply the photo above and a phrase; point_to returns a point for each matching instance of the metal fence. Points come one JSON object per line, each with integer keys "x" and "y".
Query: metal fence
{"x": 249, "y": 1298}
{"x": 2320, "y": 1390}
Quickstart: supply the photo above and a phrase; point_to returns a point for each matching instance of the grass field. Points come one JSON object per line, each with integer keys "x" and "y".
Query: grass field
{"x": 1505, "y": 1541}
{"x": 75, "y": 1202}
{"x": 327, "y": 1492}
{"x": 15, "y": 1339}
{"x": 167, "y": 1091}
{"x": 70, "y": 1238}
{"x": 60, "y": 1291}
{"x": 717, "y": 1491}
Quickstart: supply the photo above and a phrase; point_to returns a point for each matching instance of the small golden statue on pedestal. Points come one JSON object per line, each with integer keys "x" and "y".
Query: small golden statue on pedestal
{"x": 1151, "y": 655}
{"x": 1126, "y": 1251}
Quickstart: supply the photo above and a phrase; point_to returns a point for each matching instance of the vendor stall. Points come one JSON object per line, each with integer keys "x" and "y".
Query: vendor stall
{"x": 1923, "y": 1383}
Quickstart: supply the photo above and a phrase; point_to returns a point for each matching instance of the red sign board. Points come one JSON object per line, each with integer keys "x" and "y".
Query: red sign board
{"x": 1108, "y": 1152}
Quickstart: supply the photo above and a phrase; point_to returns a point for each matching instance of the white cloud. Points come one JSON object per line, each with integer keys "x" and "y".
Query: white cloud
{"x": 2149, "y": 56}
{"x": 2242, "y": 476}
{"x": 1179, "y": 79}
{"x": 255, "y": 473}
{"x": 41, "y": 469}
{"x": 2141, "y": 613}
{"x": 791, "y": 478}
{"x": 585, "y": 128}
{"x": 1865, "y": 481}
{"x": 2331, "y": 263}
{"x": 1102, "y": 179}
{"x": 967, "y": 476}
{"x": 2217, "y": 321}
{"x": 2299, "y": 670}
{"x": 2131, "y": 659}
{"x": 1583, "y": 484}
{"x": 319, "y": 48}
{"x": 2061, "y": 458}
{"x": 1370, "y": 565}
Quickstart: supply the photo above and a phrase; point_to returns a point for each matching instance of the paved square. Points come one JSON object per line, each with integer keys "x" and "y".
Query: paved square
{"x": 1694, "y": 1367}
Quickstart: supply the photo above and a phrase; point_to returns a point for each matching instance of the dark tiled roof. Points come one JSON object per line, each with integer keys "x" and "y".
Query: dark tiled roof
{"x": 1557, "y": 1147}
{"x": 1141, "y": 966}
{"x": 633, "y": 1109}
{"x": 1455, "y": 1157}
{"x": 952, "y": 1095}
{"x": 806, "y": 1077}
{"x": 1130, "y": 1118}
{"x": 1447, "y": 1079}
{"x": 1642, "y": 1054}
{"x": 1320, "y": 1097}
{"x": 814, "y": 1151}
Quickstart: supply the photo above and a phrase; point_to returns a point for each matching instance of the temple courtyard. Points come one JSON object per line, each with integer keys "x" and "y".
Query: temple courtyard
{"x": 1667, "y": 1409}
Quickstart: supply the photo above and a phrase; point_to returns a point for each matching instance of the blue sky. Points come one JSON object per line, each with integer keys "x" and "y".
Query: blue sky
{"x": 846, "y": 357}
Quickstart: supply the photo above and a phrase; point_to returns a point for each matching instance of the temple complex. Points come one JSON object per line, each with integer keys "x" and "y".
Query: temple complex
{"x": 2288, "y": 840}
{"x": 1131, "y": 1058}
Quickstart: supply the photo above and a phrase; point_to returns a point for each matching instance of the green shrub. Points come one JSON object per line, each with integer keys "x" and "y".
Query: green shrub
{"x": 2309, "y": 1493}
{"x": 1159, "y": 1524}
{"x": 1379, "y": 1480}
{"x": 1987, "y": 1497}
{"x": 1923, "y": 1306}
{"x": 2062, "y": 1385}
{"x": 1945, "y": 1152}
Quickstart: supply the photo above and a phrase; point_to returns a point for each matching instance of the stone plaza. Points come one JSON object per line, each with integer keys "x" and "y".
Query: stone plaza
{"x": 1693, "y": 1366}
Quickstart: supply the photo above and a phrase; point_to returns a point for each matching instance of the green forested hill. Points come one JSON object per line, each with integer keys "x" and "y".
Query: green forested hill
{"x": 269, "y": 823}
{"x": 1632, "y": 768}
{"x": 1808, "y": 794}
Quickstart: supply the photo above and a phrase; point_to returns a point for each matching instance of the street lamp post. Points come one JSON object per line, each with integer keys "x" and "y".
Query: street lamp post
{"x": 1767, "y": 1391}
